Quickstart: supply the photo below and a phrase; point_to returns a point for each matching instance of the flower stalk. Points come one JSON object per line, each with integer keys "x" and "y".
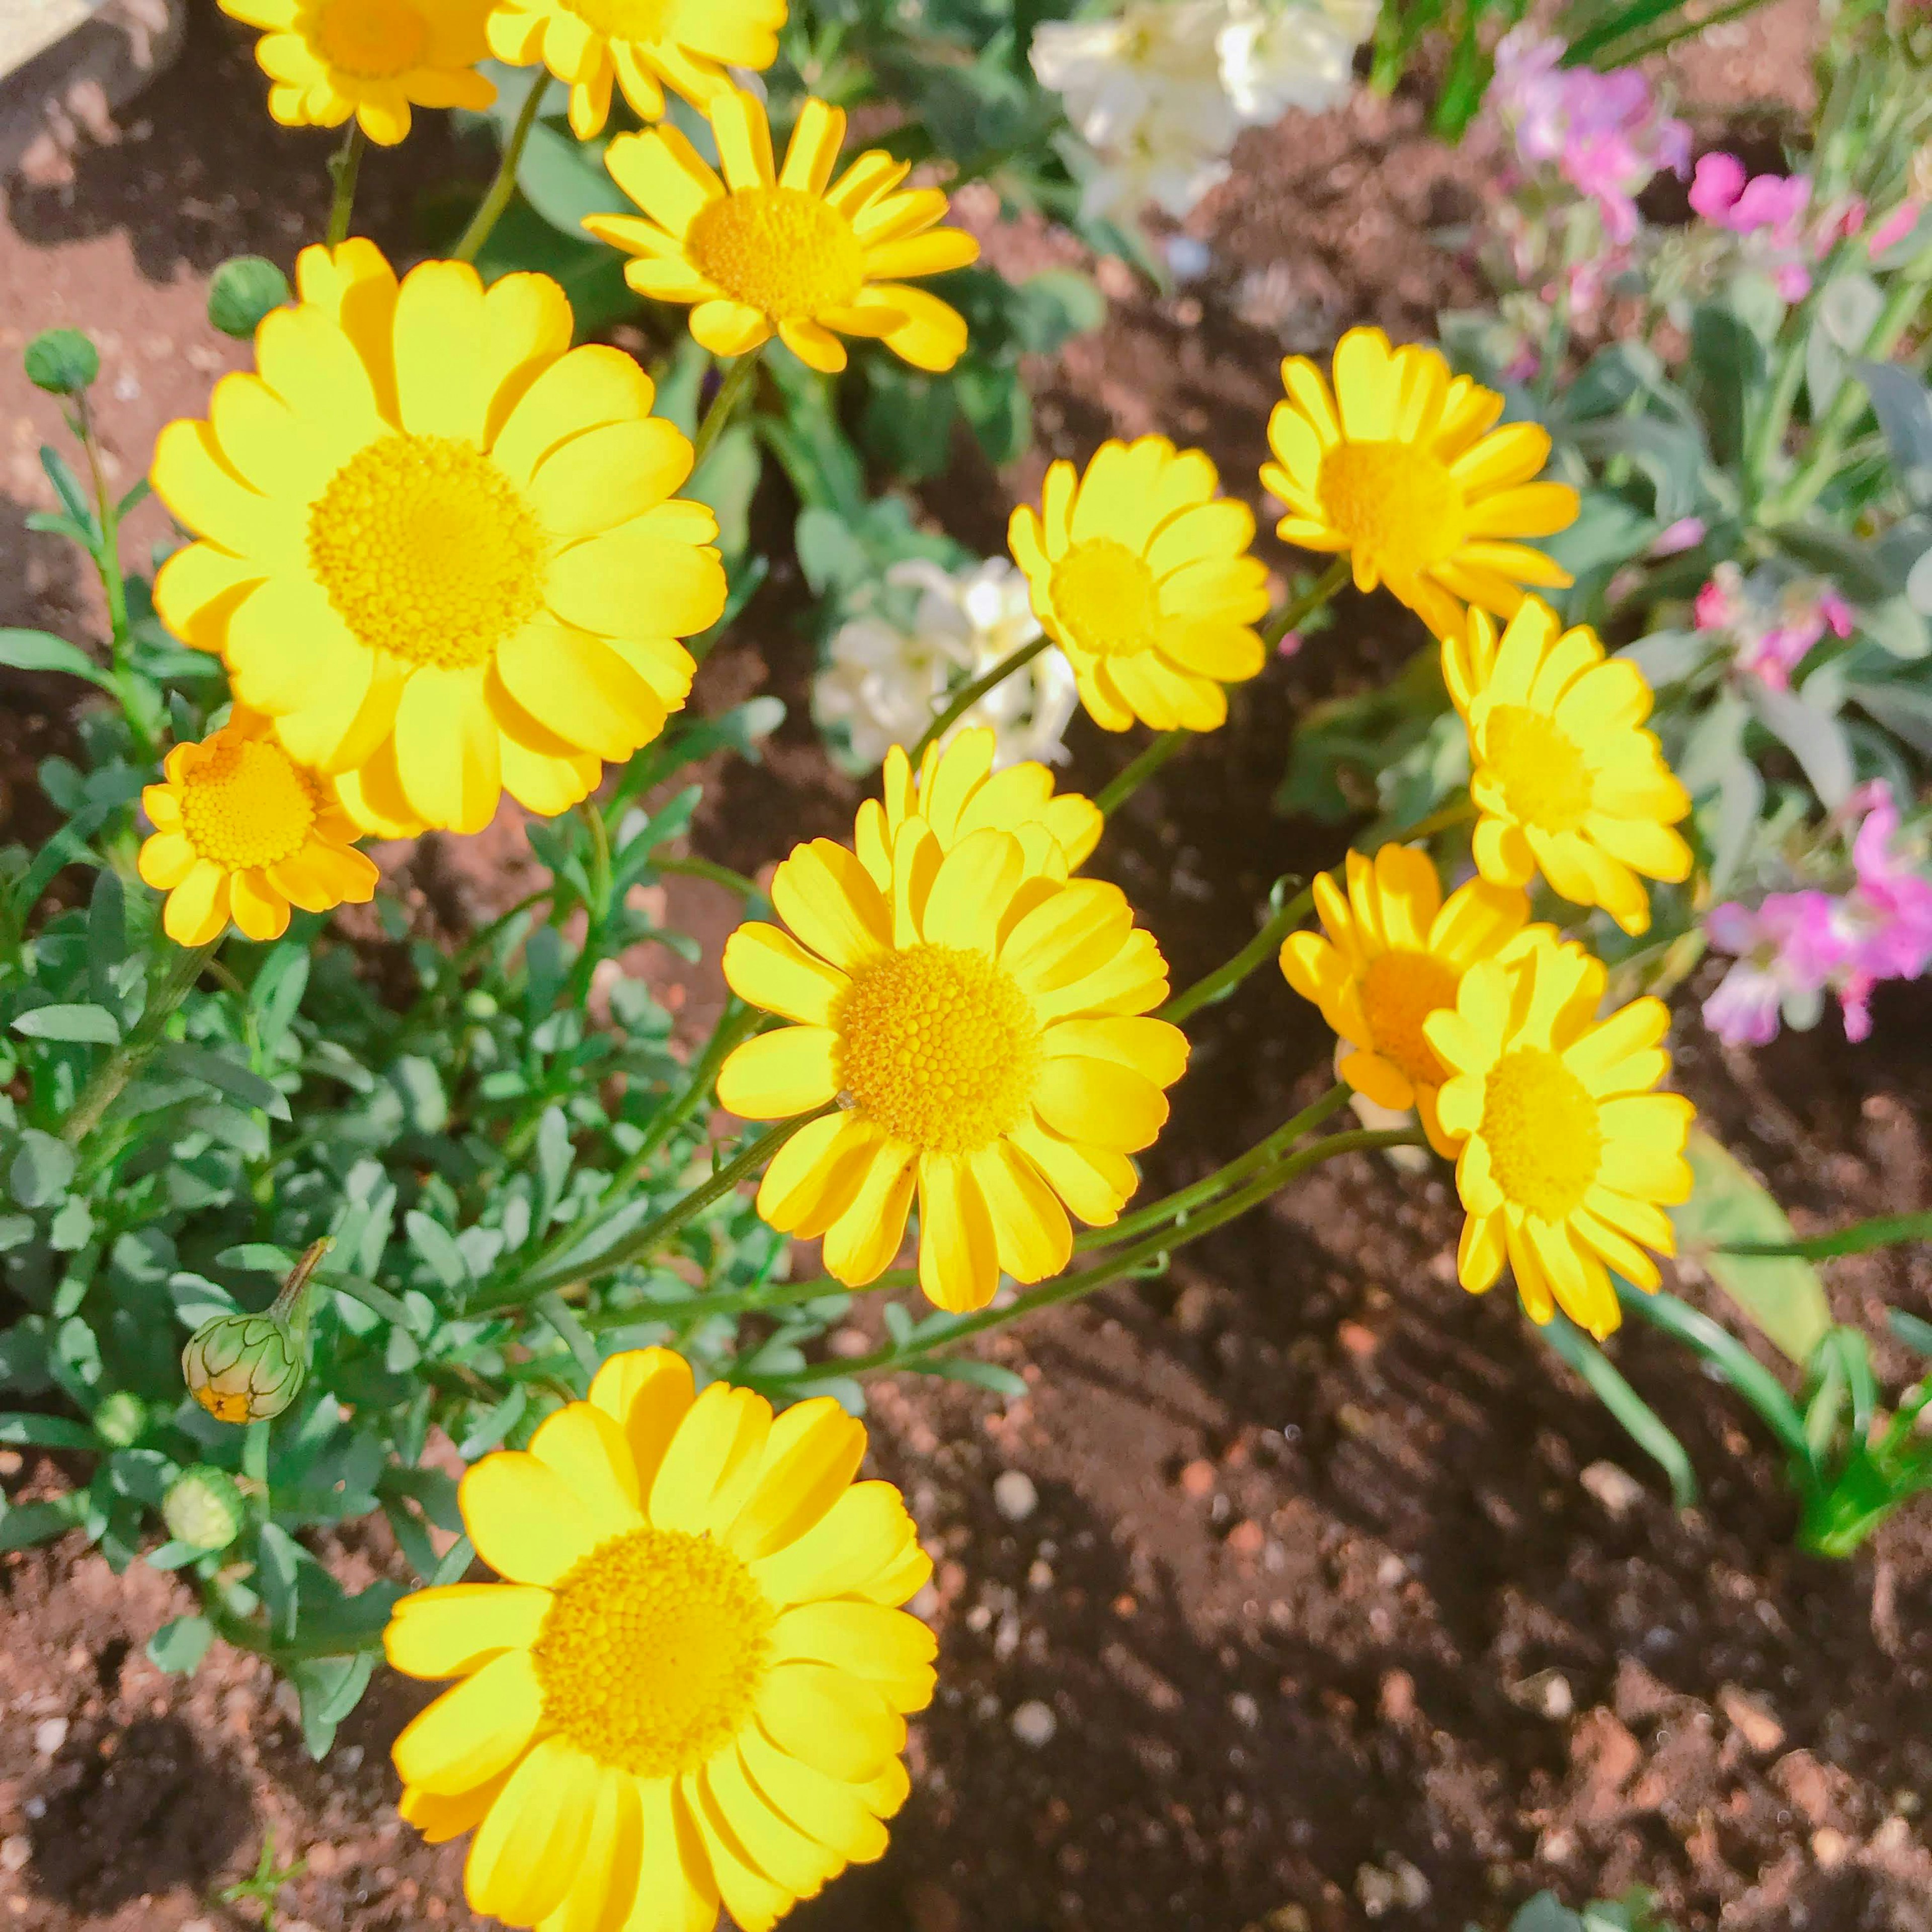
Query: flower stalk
{"x": 345, "y": 167}
{"x": 121, "y": 1065}
{"x": 503, "y": 185}
{"x": 963, "y": 699}
{"x": 738, "y": 381}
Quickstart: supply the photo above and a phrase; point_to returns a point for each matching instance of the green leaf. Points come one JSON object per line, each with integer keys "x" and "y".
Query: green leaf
{"x": 25, "y": 1524}
{"x": 92, "y": 1026}
{"x": 229, "y": 1076}
{"x": 40, "y": 650}
{"x": 1781, "y": 1295}
{"x": 437, "y": 1247}
{"x": 47, "y": 1432}
{"x": 279, "y": 1570}
{"x": 242, "y": 291}
{"x": 178, "y": 1646}
{"x": 330, "y": 1687}
{"x": 40, "y": 1170}
{"x": 62, "y": 361}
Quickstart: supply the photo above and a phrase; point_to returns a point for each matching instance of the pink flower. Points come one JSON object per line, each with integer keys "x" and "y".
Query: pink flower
{"x": 1788, "y": 951}
{"x": 1720, "y": 603}
{"x": 1771, "y": 207}
{"x": 1886, "y": 918}
{"x": 1687, "y": 533}
{"x": 1893, "y": 230}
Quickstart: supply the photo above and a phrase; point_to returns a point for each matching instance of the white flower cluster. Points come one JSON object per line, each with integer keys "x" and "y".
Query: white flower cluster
{"x": 883, "y": 683}
{"x": 1160, "y": 90}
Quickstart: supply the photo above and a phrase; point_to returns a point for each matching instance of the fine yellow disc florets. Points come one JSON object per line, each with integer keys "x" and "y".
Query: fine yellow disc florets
{"x": 1545, "y": 776}
{"x": 371, "y": 40}
{"x": 786, "y": 253}
{"x": 938, "y": 1046}
{"x": 653, "y": 1653}
{"x": 244, "y": 803}
{"x": 1105, "y": 596}
{"x": 1399, "y": 991}
{"x": 624, "y": 20}
{"x": 427, "y": 550}
{"x": 1545, "y": 1139}
{"x": 1399, "y": 507}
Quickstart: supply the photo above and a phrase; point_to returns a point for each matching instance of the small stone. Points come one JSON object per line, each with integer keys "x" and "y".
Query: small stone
{"x": 1412, "y": 1887}
{"x": 1397, "y": 1701}
{"x": 1247, "y": 1537}
{"x": 1246, "y": 1710}
{"x": 1377, "y": 1890}
{"x": 1829, "y": 1847}
{"x": 1014, "y": 1495}
{"x": 1359, "y": 1342}
{"x": 199, "y": 1925}
{"x": 1033, "y": 1723}
{"x": 1198, "y": 1480}
{"x": 1039, "y": 1574}
{"x": 1616, "y": 1489}
{"x": 49, "y": 1735}
{"x": 931, "y": 1908}
{"x": 849, "y": 1342}
{"x": 1546, "y": 1692}
{"x": 11, "y": 1463}
{"x": 15, "y": 1852}
{"x": 1751, "y": 1719}
{"x": 1288, "y": 1918}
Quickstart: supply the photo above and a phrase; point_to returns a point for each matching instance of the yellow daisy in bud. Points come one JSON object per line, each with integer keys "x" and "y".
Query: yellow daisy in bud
{"x": 958, "y": 793}
{"x": 1564, "y": 775}
{"x": 1568, "y": 1158}
{"x": 786, "y": 250}
{"x": 690, "y": 1689}
{"x": 642, "y": 46}
{"x": 1399, "y": 465}
{"x": 1140, "y": 574}
{"x": 440, "y": 546}
{"x": 1395, "y": 953}
{"x": 980, "y": 1024}
{"x": 375, "y": 59}
{"x": 242, "y": 831}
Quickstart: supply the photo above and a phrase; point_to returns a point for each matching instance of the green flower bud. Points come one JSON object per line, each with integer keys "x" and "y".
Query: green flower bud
{"x": 122, "y": 1420}
{"x": 203, "y": 1507}
{"x": 61, "y": 360}
{"x": 244, "y": 1368}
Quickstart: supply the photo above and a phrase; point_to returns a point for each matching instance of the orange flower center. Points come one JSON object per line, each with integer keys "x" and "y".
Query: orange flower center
{"x": 370, "y": 39}
{"x": 1106, "y": 598}
{"x": 245, "y": 803}
{"x": 1545, "y": 1137}
{"x": 427, "y": 551}
{"x": 786, "y": 253}
{"x": 1399, "y": 506}
{"x": 1399, "y": 991}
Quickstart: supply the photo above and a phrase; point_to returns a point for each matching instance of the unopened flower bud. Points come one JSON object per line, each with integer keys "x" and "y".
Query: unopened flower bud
{"x": 203, "y": 1507}
{"x": 122, "y": 1420}
{"x": 248, "y": 1368}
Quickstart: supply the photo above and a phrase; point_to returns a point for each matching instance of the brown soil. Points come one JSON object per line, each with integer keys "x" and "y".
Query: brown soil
{"x": 1339, "y": 1599}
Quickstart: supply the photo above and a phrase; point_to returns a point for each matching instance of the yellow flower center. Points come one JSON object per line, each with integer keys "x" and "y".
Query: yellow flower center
{"x": 372, "y": 39}
{"x": 1544, "y": 775}
{"x": 1399, "y": 991}
{"x": 427, "y": 550}
{"x": 1105, "y": 597}
{"x": 245, "y": 803}
{"x": 1545, "y": 1138}
{"x": 781, "y": 251}
{"x": 1397, "y": 504}
{"x": 938, "y": 1046}
{"x": 624, "y": 19}
{"x": 652, "y": 1655}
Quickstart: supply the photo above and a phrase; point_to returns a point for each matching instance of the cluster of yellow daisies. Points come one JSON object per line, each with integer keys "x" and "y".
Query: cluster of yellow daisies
{"x": 441, "y": 553}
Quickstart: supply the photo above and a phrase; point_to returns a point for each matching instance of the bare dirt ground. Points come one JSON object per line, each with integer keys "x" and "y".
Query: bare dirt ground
{"x": 1327, "y": 1597}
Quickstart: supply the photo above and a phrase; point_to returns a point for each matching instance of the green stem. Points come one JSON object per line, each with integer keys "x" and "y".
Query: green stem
{"x": 1606, "y": 54}
{"x": 599, "y": 907}
{"x": 1457, "y": 811}
{"x": 1908, "y": 293}
{"x": 1881, "y": 1231}
{"x": 1070, "y": 1288}
{"x": 1299, "y": 609}
{"x": 693, "y": 867}
{"x": 1641, "y": 1422}
{"x": 489, "y": 209}
{"x": 653, "y": 1234}
{"x": 1222, "y": 981}
{"x": 345, "y": 165}
{"x": 113, "y": 583}
{"x": 738, "y": 380}
{"x": 968, "y": 695}
{"x": 121, "y": 1065}
{"x": 1115, "y": 794}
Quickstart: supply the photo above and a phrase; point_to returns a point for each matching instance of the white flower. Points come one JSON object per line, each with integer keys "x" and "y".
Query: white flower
{"x": 1278, "y": 54}
{"x": 1160, "y": 91}
{"x": 884, "y": 684}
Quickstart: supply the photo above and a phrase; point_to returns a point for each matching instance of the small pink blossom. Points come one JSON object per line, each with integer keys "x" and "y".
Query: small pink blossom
{"x": 1770, "y": 207}
{"x": 1893, "y": 230}
{"x": 1787, "y": 952}
{"x": 1687, "y": 533}
{"x": 1720, "y": 603}
{"x": 1290, "y": 644}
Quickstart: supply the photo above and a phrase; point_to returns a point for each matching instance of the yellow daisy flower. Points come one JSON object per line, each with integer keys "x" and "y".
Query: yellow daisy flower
{"x": 1395, "y": 953}
{"x": 375, "y": 59}
{"x": 1140, "y": 573}
{"x": 1400, "y": 467}
{"x": 690, "y": 1688}
{"x": 242, "y": 831}
{"x": 786, "y": 250}
{"x": 958, "y": 793}
{"x": 980, "y": 1024}
{"x": 1563, "y": 773}
{"x": 643, "y": 46}
{"x": 440, "y": 546}
{"x": 1568, "y": 1157}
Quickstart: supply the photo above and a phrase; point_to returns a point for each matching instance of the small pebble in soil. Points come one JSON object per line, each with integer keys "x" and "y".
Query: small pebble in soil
{"x": 15, "y": 1852}
{"x": 1751, "y": 1719}
{"x": 1616, "y": 1489}
{"x": 1033, "y": 1723}
{"x": 1245, "y": 1709}
{"x": 50, "y": 1734}
{"x": 1014, "y": 1495}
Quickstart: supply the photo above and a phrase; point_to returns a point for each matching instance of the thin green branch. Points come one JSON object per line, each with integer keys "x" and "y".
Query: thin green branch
{"x": 968, "y": 695}
{"x": 1123, "y": 787}
{"x": 1222, "y": 981}
{"x": 1298, "y": 610}
{"x": 121, "y": 1065}
{"x": 1640, "y": 1422}
{"x": 496, "y": 198}
{"x": 738, "y": 380}
{"x": 1882, "y": 1231}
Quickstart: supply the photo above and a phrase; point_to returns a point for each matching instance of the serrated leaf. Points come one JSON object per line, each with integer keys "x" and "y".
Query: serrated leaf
{"x": 79, "y": 1024}
{"x": 1782, "y": 1296}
